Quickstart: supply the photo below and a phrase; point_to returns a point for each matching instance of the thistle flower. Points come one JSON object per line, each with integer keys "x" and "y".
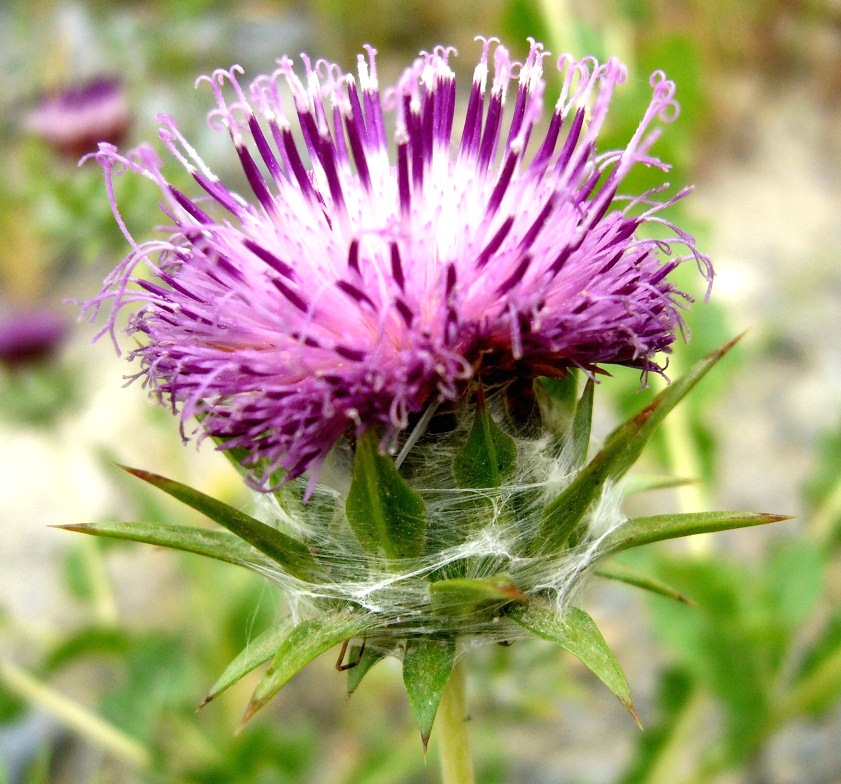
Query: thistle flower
{"x": 31, "y": 335}
{"x": 355, "y": 294}
{"x": 75, "y": 119}
{"x": 367, "y": 294}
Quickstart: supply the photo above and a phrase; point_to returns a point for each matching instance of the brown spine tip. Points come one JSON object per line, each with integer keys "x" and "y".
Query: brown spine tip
{"x": 249, "y": 714}
{"x": 634, "y": 715}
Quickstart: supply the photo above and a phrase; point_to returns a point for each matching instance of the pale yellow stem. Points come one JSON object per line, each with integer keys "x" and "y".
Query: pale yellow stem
{"x": 451, "y": 728}
{"x": 75, "y": 717}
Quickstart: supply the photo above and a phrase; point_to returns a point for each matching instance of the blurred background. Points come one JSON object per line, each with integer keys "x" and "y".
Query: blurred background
{"x": 106, "y": 649}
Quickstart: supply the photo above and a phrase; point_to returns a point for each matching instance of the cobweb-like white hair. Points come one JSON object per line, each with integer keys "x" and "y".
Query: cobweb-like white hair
{"x": 498, "y": 523}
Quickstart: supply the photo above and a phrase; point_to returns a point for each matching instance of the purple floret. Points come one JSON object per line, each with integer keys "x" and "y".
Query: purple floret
{"x": 357, "y": 286}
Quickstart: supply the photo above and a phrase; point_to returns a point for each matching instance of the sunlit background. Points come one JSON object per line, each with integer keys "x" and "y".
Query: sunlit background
{"x": 105, "y": 650}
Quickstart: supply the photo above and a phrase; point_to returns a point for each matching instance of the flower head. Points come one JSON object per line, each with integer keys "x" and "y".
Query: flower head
{"x": 30, "y": 335}
{"x": 75, "y": 119}
{"x": 358, "y": 285}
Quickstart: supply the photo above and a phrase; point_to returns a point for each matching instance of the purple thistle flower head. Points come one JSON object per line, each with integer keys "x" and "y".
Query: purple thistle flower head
{"x": 367, "y": 278}
{"x": 30, "y": 336}
{"x": 74, "y": 120}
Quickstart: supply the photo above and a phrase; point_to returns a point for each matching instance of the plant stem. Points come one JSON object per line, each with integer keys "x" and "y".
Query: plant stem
{"x": 105, "y": 605}
{"x": 670, "y": 761}
{"x": 75, "y": 717}
{"x": 456, "y": 765}
{"x": 813, "y": 688}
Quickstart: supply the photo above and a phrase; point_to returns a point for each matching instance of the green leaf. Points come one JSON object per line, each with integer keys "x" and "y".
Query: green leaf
{"x": 621, "y": 450}
{"x": 289, "y": 553}
{"x": 488, "y": 454}
{"x": 645, "y": 530}
{"x": 213, "y": 544}
{"x": 89, "y": 641}
{"x": 370, "y": 656}
{"x": 259, "y": 650}
{"x": 568, "y": 418}
{"x": 577, "y": 633}
{"x": 556, "y": 398}
{"x": 660, "y": 745}
{"x": 12, "y": 708}
{"x": 300, "y": 646}
{"x": 794, "y": 574}
{"x": 463, "y": 595}
{"x": 382, "y": 509}
{"x": 817, "y": 686}
{"x": 579, "y": 441}
{"x": 77, "y": 573}
{"x": 630, "y": 576}
{"x": 730, "y": 643}
{"x": 646, "y": 484}
{"x": 427, "y": 665}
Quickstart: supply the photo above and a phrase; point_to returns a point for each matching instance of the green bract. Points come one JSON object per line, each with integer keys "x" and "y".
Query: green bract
{"x": 479, "y": 534}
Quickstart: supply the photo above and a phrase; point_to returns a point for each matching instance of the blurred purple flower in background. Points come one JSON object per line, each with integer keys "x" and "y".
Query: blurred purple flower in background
{"x": 31, "y": 335}
{"x": 354, "y": 292}
{"x": 75, "y": 119}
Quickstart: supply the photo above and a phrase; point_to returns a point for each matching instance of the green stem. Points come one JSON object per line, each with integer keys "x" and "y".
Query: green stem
{"x": 670, "y": 758}
{"x": 105, "y": 605}
{"x": 824, "y": 518}
{"x": 74, "y": 716}
{"x": 456, "y": 765}
{"x": 558, "y": 18}
{"x": 811, "y": 689}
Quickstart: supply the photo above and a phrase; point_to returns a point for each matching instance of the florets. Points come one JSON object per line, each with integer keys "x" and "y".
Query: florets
{"x": 359, "y": 285}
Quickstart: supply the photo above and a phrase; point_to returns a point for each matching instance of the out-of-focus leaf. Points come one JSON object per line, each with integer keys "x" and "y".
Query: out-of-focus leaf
{"x": 675, "y": 693}
{"x": 793, "y": 575}
{"x": 646, "y": 484}
{"x": 645, "y": 530}
{"x": 488, "y": 454}
{"x": 77, "y": 575}
{"x": 259, "y": 650}
{"x": 817, "y": 686}
{"x": 619, "y": 453}
{"x": 292, "y": 555}
{"x": 382, "y": 509}
{"x": 40, "y": 772}
{"x": 11, "y": 707}
{"x": 90, "y": 641}
{"x": 731, "y": 642}
{"x": 300, "y": 646}
{"x": 464, "y": 595}
{"x": 631, "y": 576}
{"x": 823, "y": 490}
{"x": 159, "y": 678}
{"x": 577, "y": 633}
{"x": 427, "y": 665}
{"x": 212, "y": 544}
